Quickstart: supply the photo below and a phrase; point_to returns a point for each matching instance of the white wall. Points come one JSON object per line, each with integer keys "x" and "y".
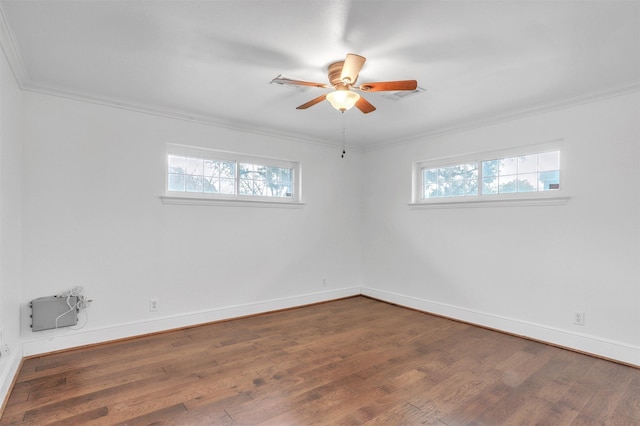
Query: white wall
{"x": 10, "y": 223}
{"x": 520, "y": 269}
{"x": 92, "y": 216}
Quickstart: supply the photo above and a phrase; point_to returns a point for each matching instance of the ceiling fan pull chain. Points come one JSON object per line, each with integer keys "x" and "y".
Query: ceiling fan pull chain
{"x": 344, "y": 143}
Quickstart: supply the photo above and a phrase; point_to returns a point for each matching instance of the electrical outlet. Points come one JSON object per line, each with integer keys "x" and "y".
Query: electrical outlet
{"x": 4, "y": 350}
{"x": 324, "y": 282}
{"x": 578, "y": 318}
{"x": 153, "y": 305}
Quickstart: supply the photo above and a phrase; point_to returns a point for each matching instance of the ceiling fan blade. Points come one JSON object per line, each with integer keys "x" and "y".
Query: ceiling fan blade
{"x": 351, "y": 68}
{"x": 312, "y": 102}
{"x": 365, "y": 106}
{"x": 282, "y": 80}
{"x": 389, "y": 86}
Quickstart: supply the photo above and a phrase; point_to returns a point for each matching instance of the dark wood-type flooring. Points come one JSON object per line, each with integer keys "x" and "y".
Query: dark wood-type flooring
{"x": 350, "y": 361}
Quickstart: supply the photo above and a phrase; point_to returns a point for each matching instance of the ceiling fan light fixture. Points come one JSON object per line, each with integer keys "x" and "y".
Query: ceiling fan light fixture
{"x": 343, "y": 100}
{"x": 342, "y": 77}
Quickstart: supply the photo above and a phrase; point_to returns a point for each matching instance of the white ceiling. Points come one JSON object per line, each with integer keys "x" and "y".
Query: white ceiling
{"x": 479, "y": 61}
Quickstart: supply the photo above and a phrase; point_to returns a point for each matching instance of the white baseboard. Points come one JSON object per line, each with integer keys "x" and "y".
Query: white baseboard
{"x": 66, "y": 339}
{"x": 610, "y": 349}
{"x": 8, "y": 370}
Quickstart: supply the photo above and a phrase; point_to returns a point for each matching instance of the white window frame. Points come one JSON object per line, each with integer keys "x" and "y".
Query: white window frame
{"x": 237, "y": 199}
{"x": 551, "y": 197}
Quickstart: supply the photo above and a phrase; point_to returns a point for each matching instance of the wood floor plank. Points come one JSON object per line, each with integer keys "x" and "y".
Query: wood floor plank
{"x": 629, "y": 403}
{"x": 532, "y": 411}
{"x": 88, "y": 417}
{"x": 158, "y": 417}
{"x": 612, "y": 382}
{"x": 349, "y": 361}
{"x": 404, "y": 414}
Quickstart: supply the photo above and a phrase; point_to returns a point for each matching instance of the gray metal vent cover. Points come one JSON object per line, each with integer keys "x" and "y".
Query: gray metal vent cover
{"x": 293, "y": 87}
{"x": 396, "y": 96}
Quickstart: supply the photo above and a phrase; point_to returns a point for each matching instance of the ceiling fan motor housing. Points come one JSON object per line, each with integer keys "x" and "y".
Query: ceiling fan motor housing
{"x": 335, "y": 72}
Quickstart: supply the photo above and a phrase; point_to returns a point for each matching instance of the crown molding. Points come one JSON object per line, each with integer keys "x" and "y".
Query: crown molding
{"x": 610, "y": 92}
{"x": 595, "y": 96}
{"x": 613, "y": 91}
{"x": 14, "y": 59}
{"x": 11, "y": 51}
{"x": 181, "y": 116}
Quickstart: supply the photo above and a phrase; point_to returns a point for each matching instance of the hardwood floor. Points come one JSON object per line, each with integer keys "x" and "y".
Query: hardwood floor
{"x": 351, "y": 361}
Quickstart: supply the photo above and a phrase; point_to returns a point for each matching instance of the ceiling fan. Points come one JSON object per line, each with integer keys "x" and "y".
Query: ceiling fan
{"x": 343, "y": 76}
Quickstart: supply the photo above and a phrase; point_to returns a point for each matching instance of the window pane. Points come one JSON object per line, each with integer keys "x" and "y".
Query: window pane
{"x": 227, "y": 186}
{"x": 260, "y": 188}
{"x": 279, "y": 190}
{"x": 527, "y": 182}
{"x": 472, "y": 187}
{"x": 245, "y": 167}
{"x": 262, "y": 172}
{"x": 210, "y": 185}
{"x": 177, "y": 164}
{"x": 444, "y": 190}
{"x": 490, "y": 185}
{"x": 509, "y": 166}
{"x": 471, "y": 171}
{"x": 444, "y": 174}
{"x": 194, "y": 183}
{"x": 273, "y": 174}
{"x": 528, "y": 164}
{"x": 211, "y": 168}
{"x": 430, "y": 190}
{"x": 450, "y": 181}
{"x": 458, "y": 188}
{"x": 458, "y": 171}
{"x": 549, "y": 161}
{"x": 430, "y": 175}
{"x": 176, "y": 182}
{"x": 195, "y": 166}
{"x": 549, "y": 180}
{"x": 228, "y": 169}
{"x": 507, "y": 184}
{"x": 490, "y": 168}
{"x": 261, "y": 180}
{"x": 245, "y": 171}
{"x": 246, "y": 187}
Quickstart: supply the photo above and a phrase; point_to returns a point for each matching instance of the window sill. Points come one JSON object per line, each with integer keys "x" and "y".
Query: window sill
{"x": 492, "y": 202}
{"x": 235, "y": 202}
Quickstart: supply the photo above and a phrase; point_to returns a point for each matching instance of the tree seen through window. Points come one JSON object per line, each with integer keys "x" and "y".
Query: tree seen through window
{"x": 525, "y": 173}
{"x": 210, "y": 176}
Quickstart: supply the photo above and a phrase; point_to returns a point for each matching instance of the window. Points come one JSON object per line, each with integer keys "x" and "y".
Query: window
{"x": 196, "y": 173}
{"x": 525, "y": 173}
{"x": 260, "y": 180}
{"x": 489, "y": 177}
{"x": 201, "y": 175}
{"x": 450, "y": 181}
